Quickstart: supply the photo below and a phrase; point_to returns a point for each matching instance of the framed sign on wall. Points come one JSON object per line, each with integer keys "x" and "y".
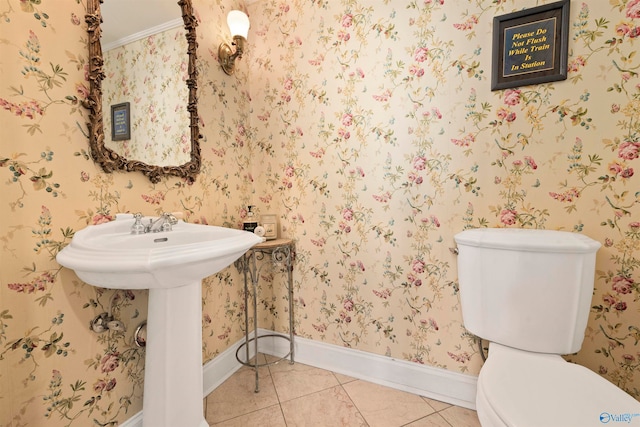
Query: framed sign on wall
{"x": 121, "y": 122}
{"x": 530, "y": 46}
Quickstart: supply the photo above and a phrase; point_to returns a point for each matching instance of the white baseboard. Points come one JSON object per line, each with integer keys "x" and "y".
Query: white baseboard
{"x": 435, "y": 383}
{"x": 221, "y": 367}
{"x": 135, "y": 421}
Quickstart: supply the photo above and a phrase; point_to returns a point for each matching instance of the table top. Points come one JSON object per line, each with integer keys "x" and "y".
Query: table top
{"x": 272, "y": 244}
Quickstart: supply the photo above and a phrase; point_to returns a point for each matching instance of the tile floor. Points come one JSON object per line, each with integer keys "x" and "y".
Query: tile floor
{"x": 301, "y": 395}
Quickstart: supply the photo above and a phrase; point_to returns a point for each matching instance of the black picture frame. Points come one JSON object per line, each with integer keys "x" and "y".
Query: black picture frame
{"x": 121, "y": 122}
{"x": 530, "y": 46}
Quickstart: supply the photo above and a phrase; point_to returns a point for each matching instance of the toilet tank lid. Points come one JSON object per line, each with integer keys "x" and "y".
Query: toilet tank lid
{"x": 527, "y": 239}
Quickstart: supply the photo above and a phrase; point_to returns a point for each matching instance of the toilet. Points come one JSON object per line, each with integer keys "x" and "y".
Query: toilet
{"x": 528, "y": 292}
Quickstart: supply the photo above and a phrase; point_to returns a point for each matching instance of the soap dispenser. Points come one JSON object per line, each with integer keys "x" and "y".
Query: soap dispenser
{"x": 250, "y": 223}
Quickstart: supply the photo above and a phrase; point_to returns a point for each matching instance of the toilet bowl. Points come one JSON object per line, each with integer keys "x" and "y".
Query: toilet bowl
{"x": 528, "y": 292}
{"x": 523, "y": 389}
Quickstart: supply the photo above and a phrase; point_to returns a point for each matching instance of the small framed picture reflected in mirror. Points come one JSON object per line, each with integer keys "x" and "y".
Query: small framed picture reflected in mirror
{"x": 121, "y": 122}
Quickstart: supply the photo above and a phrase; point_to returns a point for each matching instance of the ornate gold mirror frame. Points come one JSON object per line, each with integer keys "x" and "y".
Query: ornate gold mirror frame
{"x": 107, "y": 158}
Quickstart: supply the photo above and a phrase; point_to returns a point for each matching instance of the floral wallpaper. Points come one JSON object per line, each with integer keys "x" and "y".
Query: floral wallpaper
{"x": 151, "y": 75}
{"x": 379, "y": 139}
{"x": 53, "y": 370}
{"x": 370, "y": 129}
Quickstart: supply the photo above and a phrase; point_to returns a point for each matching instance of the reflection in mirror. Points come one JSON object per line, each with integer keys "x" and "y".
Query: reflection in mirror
{"x": 145, "y": 68}
{"x": 143, "y": 99}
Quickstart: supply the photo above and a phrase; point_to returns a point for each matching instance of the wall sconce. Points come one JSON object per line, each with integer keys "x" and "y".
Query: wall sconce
{"x": 238, "y": 23}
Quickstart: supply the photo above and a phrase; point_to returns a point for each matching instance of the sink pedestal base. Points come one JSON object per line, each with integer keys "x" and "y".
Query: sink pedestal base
{"x": 173, "y": 365}
{"x": 171, "y": 265}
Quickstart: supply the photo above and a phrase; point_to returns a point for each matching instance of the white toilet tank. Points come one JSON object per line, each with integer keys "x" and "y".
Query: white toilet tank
{"x": 527, "y": 289}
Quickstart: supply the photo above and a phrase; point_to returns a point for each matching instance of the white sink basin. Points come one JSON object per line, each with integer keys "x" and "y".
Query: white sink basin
{"x": 109, "y": 256}
{"x": 171, "y": 264}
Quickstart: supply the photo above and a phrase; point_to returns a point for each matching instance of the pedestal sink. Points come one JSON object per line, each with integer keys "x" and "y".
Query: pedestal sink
{"x": 171, "y": 265}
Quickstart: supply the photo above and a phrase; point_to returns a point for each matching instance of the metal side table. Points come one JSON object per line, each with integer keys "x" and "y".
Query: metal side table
{"x": 282, "y": 252}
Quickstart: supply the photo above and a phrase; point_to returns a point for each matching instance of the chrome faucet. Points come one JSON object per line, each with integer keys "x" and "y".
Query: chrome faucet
{"x": 164, "y": 222}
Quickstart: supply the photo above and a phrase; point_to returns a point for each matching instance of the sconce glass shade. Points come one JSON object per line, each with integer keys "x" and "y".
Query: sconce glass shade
{"x": 238, "y": 23}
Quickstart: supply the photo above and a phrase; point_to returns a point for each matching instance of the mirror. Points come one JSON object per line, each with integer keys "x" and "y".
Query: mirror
{"x": 135, "y": 140}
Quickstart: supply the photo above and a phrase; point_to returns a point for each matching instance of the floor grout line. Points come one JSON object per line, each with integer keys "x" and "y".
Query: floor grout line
{"x": 354, "y": 403}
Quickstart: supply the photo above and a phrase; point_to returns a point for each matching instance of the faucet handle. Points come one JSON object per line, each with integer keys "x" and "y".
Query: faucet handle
{"x": 138, "y": 227}
{"x": 170, "y": 218}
